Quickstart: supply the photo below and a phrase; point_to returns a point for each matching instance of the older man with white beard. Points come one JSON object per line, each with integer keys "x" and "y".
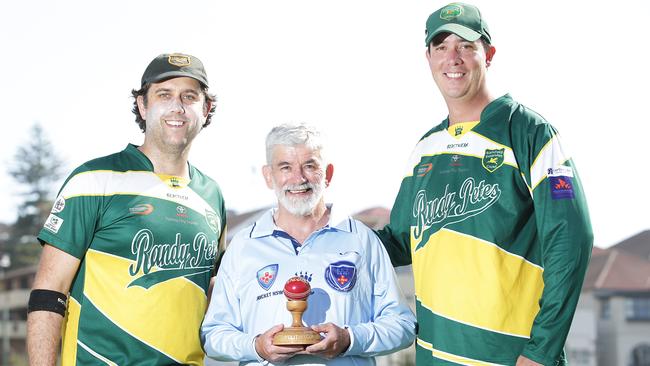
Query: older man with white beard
{"x": 355, "y": 302}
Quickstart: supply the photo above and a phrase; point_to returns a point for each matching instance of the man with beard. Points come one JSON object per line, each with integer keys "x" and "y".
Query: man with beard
{"x": 360, "y": 310}
{"x": 131, "y": 243}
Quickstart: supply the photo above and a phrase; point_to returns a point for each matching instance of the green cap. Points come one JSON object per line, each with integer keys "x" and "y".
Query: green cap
{"x": 463, "y": 20}
{"x": 173, "y": 65}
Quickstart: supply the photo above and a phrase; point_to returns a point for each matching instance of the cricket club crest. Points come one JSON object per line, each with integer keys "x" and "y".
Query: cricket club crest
{"x": 493, "y": 159}
{"x": 267, "y": 275}
{"x": 341, "y": 276}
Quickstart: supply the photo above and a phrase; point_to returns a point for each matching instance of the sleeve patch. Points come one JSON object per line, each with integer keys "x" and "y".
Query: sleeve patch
{"x": 53, "y": 223}
{"x": 560, "y": 171}
{"x": 561, "y": 187}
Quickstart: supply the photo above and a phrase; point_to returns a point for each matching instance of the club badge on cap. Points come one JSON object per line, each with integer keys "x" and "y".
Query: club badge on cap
{"x": 172, "y": 65}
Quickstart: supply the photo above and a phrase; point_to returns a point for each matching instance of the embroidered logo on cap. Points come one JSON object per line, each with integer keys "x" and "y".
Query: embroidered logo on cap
{"x": 451, "y": 11}
{"x": 179, "y": 60}
{"x": 267, "y": 275}
{"x": 341, "y": 276}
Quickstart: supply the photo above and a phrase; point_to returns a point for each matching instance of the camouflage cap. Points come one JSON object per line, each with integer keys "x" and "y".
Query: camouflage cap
{"x": 463, "y": 20}
{"x": 172, "y": 65}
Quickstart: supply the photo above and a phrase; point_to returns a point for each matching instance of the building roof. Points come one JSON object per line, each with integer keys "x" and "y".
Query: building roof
{"x": 637, "y": 245}
{"x": 617, "y": 270}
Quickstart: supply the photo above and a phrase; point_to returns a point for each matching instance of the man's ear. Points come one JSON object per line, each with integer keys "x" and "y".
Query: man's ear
{"x": 489, "y": 55}
{"x": 206, "y": 108}
{"x": 329, "y": 172}
{"x": 142, "y": 106}
{"x": 268, "y": 178}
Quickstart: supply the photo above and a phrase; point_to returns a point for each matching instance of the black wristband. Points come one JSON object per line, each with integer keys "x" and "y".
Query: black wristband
{"x": 47, "y": 300}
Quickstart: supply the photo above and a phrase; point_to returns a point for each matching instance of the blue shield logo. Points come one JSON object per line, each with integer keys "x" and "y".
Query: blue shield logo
{"x": 341, "y": 276}
{"x": 266, "y": 276}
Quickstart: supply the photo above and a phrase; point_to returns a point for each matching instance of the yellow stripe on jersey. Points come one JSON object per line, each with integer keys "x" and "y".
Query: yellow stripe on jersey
{"x": 144, "y": 321}
{"x": 69, "y": 329}
{"x": 451, "y": 357}
{"x": 477, "y": 283}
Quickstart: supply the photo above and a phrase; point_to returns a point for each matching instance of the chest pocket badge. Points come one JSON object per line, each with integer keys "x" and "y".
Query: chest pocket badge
{"x": 492, "y": 159}
{"x": 341, "y": 276}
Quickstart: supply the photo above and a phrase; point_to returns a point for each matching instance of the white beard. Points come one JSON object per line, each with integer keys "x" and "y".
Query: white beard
{"x": 300, "y": 206}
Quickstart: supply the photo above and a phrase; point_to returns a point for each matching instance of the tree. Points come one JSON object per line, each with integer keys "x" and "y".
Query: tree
{"x": 36, "y": 167}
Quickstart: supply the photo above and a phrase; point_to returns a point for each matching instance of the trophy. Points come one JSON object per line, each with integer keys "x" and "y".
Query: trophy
{"x": 296, "y": 290}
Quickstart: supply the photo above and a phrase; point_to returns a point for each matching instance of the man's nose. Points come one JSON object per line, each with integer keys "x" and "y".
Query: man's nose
{"x": 177, "y": 105}
{"x": 298, "y": 176}
{"x": 453, "y": 56}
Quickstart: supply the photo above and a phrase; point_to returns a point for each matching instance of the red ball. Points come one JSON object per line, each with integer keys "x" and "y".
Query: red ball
{"x": 297, "y": 288}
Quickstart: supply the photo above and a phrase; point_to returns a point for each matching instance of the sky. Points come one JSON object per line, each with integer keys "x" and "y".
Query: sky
{"x": 354, "y": 69}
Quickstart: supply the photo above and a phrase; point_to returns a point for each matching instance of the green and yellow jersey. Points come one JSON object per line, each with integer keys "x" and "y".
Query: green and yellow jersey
{"x": 148, "y": 245}
{"x": 493, "y": 218}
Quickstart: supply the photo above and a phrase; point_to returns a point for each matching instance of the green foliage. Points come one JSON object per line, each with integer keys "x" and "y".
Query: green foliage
{"x": 36, "y": 167}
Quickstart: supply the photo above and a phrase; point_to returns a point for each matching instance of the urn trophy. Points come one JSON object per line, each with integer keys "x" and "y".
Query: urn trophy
{"x": 296, "y": 290}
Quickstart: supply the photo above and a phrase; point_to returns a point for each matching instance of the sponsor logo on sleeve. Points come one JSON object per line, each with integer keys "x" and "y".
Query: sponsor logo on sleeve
{"x": 561, "y": 188}
{"x": 266, "y": 276}
{"x": 341, "y": 276}
{"x": 59, "y": 205}
{"x": 559, "y": 178}
{"x": 560, "y": 171}
{"x": 53, "y": 223}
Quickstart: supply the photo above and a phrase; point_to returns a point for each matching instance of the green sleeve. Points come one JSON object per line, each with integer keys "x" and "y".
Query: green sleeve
{"x": 72, "y": 223}
{"x": 565, "y": 234}
{"x": 396, "y": 236}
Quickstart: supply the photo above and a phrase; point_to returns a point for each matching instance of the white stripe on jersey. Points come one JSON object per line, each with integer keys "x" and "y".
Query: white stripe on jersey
{"x": 442, "y": 142}
{"x": 552, "y": 155}
{"x": 140, "y": 183}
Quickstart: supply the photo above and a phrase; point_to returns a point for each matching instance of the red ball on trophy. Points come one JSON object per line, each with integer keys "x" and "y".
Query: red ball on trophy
{"x": 297, "y": 288}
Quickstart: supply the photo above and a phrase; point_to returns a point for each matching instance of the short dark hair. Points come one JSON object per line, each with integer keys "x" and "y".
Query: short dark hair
{"x": 143, "y": 92}
{"x": 438, "y": 38}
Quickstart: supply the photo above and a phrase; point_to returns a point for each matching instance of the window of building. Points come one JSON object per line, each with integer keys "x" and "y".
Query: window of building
{"x": 638, "y": 308}
{"x": 579, "y": 357}
{"x": 605, "y": 309}
{"x": 641, "y": 355}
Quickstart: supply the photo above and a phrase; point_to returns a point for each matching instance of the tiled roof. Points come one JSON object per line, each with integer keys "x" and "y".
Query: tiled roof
{"x": 638, "y": 245}
{"x": 617, "y": 270}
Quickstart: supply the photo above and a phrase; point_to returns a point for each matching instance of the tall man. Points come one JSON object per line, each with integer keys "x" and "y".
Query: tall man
{"x": 133, "y": 238}
{"x": 491, "y": 214}
{"x": 355, "y": 300}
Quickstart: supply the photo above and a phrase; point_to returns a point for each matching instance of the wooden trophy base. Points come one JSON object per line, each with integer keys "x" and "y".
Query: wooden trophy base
{"x": 296, "y": 336}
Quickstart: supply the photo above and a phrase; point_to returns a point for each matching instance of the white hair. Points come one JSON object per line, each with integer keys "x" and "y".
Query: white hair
{"x": 289, "y": 134}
